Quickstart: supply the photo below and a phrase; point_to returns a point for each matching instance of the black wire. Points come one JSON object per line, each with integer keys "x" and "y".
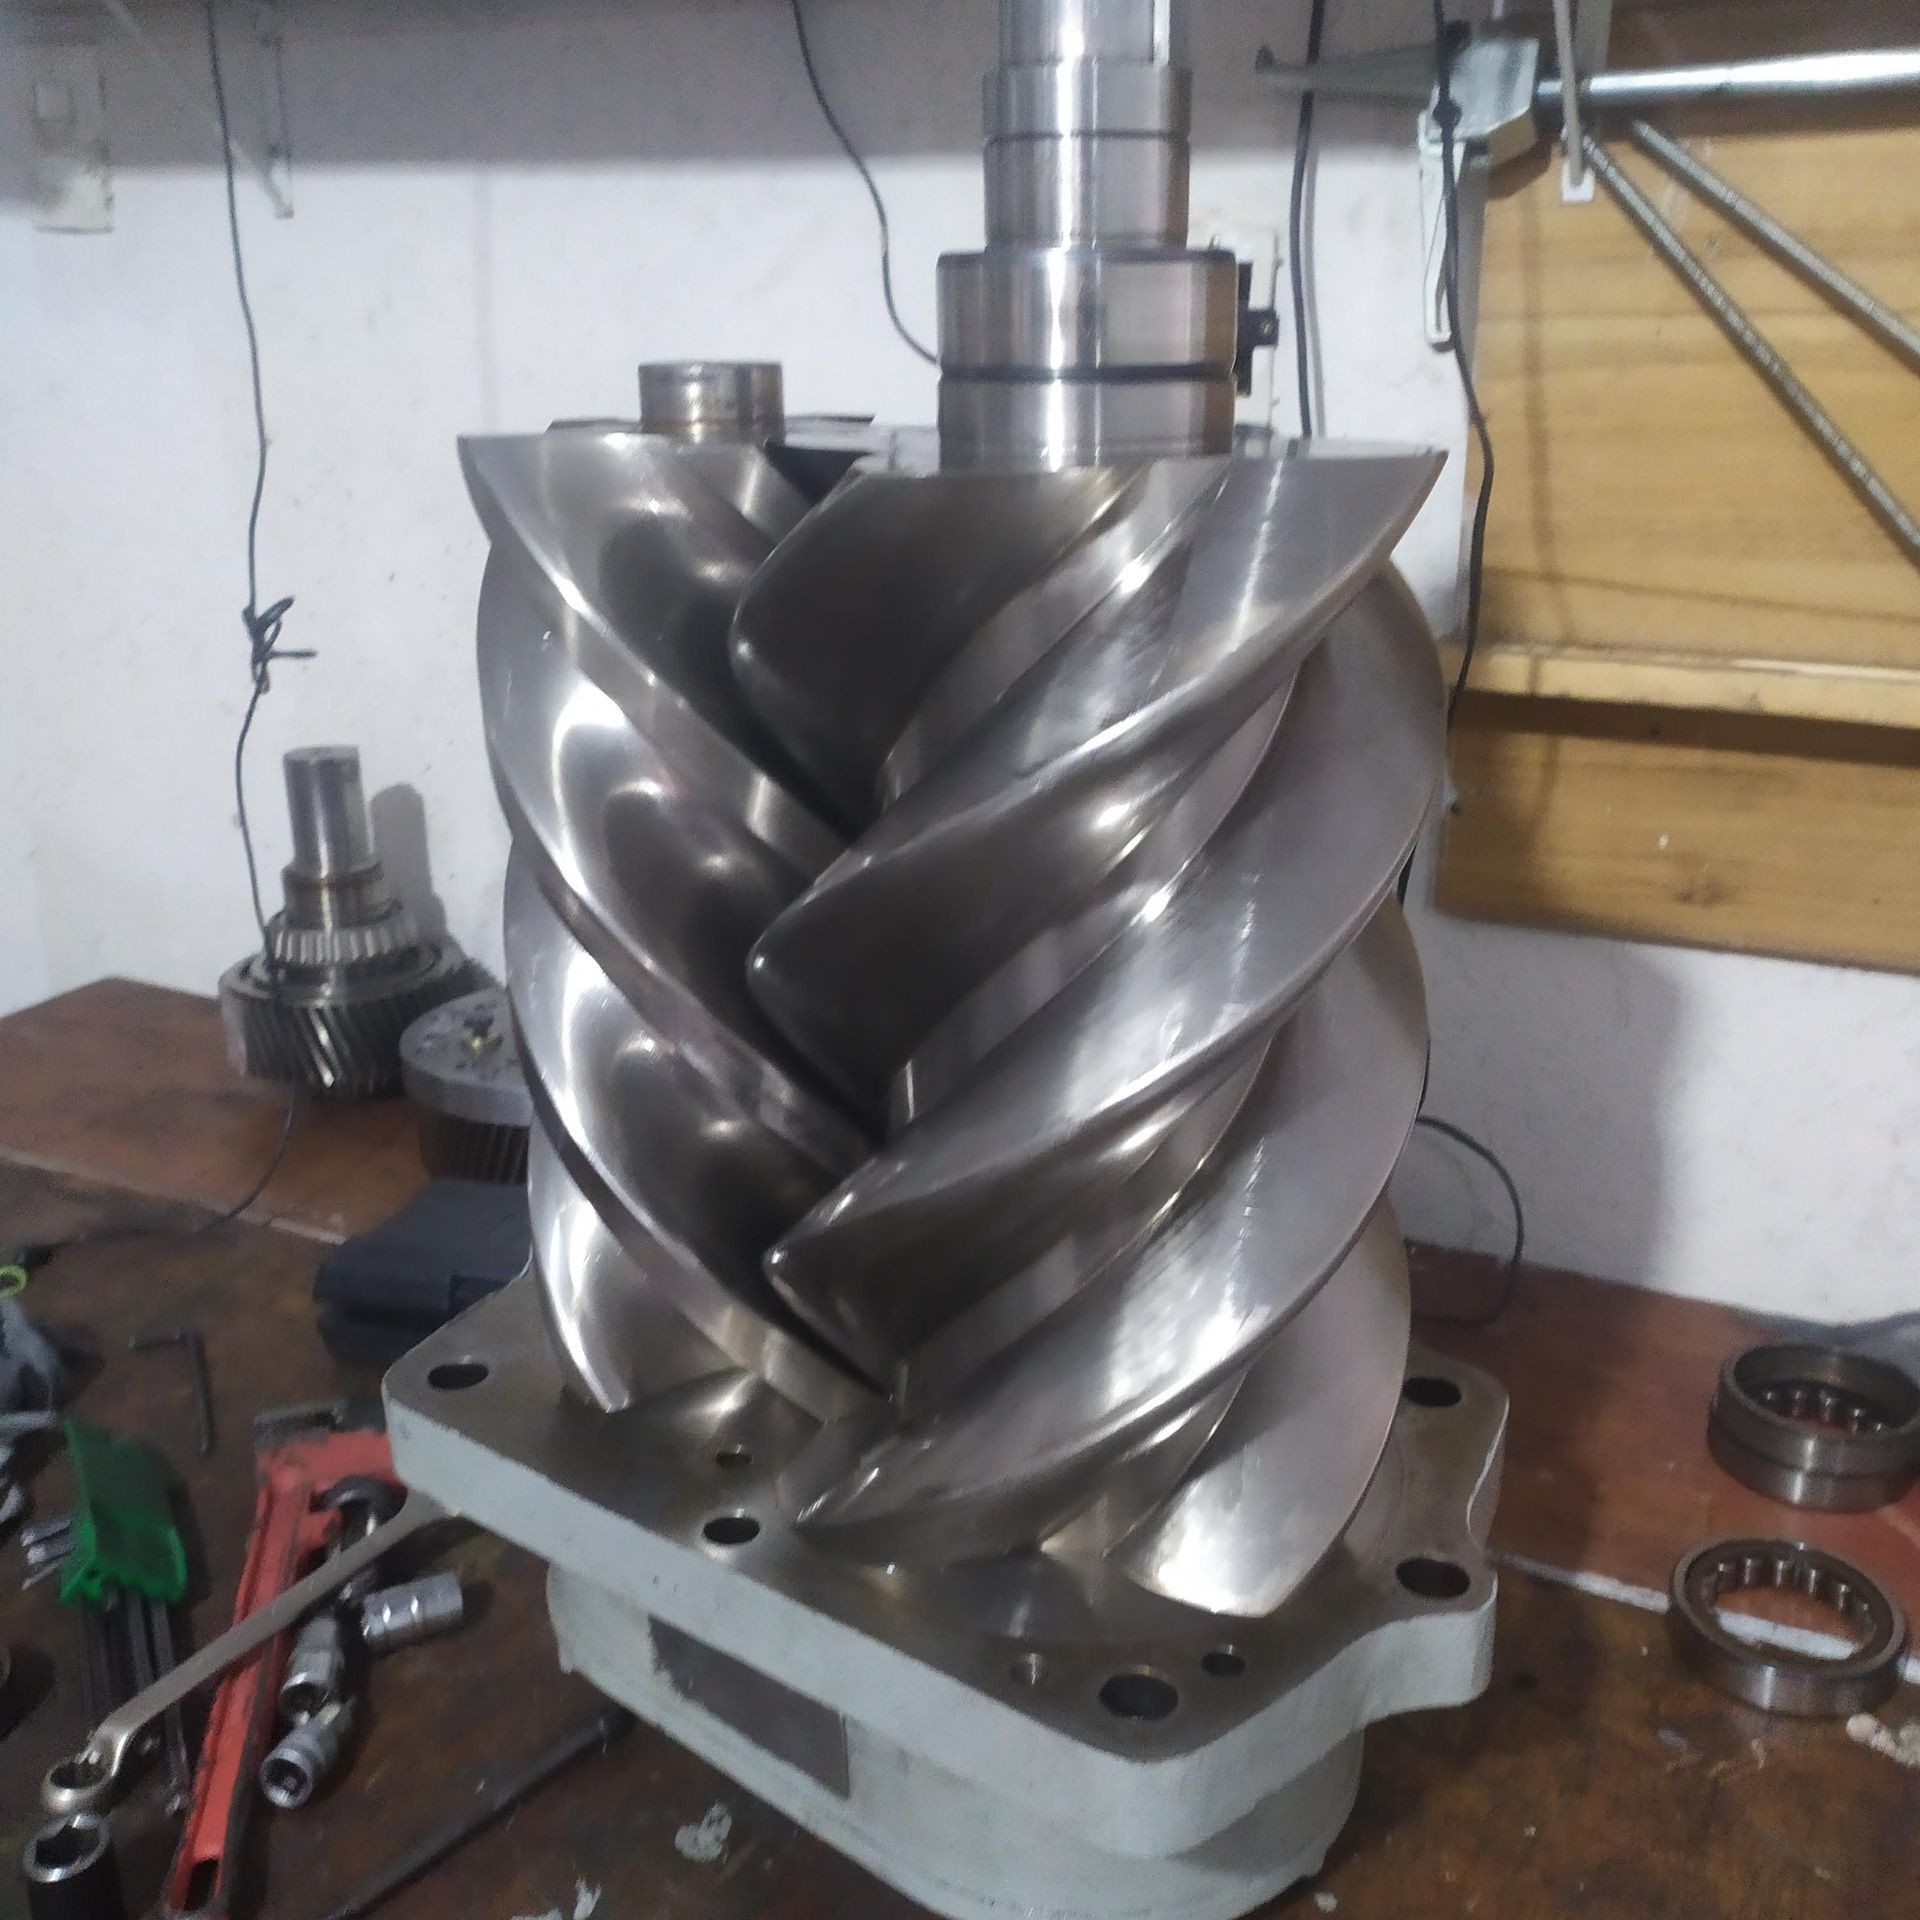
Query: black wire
{"x": 36, "y": 1254}
{"x": 1296, "y": 227}
{"x": 262, "y": 629}
{"x": 1510, "y": 1278}
{"x": 1447, "y": 115}
{"x": 860, "y": 167}
{"x": 263, "y": 649}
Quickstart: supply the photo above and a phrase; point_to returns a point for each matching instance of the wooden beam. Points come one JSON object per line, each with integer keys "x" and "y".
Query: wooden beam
{"x": 1729, "y": 831}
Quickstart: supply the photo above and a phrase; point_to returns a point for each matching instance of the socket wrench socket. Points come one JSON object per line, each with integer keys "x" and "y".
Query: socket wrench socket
{"x": 295, "y": 1770}
{"x": 316, "y": 1672}
{"x": 402, "y": 1616}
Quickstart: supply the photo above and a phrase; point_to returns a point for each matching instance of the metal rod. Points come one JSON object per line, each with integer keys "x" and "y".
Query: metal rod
{"x": 1789, "y": 248}
{"x": 1811, "y": 76}
{"x": 190, "y": 99}
{"x": 1573, "y": 135}
{"x": 1760, "y": 354}
{"x": 437, "y": 1843}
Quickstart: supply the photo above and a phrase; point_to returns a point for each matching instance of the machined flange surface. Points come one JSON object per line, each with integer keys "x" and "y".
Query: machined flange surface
{"x": 1784, "y": 1679}
{"x": 1817, "y": 1427}
{"x": 1181, "y": 1762}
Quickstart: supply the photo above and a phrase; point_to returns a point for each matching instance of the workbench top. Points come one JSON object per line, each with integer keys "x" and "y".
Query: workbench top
{"x": 1593, "y": 1778}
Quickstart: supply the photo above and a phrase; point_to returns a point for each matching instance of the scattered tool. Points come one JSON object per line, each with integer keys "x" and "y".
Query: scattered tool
{"x": 307, "y": 1758}
{"x": 1817, "y": 1426}
{"x": 88, "y": 1779}
{"x": 70, "y": 1872}
{"x": 188, "y": 1340}
{"x": 433, "y": 1846}
{"x": 1783, "y": 1679}
{"x": 404, "y": 1616}
{"x": 122, "y": 1535}
{"x": 293, "y": 1523}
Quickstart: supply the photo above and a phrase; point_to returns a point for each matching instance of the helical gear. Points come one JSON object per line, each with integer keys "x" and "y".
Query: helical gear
{"x": 345, "y": 970}
{"x": 953, "y": 940}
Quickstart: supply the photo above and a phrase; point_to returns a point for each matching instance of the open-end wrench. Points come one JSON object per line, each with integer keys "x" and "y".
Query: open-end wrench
{"x": 86, "y": 1780}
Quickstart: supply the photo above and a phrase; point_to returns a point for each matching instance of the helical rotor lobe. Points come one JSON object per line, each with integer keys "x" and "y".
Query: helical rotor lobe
{"x": 951, "y": 925}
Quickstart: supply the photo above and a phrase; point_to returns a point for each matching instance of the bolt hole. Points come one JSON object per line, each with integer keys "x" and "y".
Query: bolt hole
{"x": 733, "y": 1457}
{"x": 456, "y": 1376}
{"x": 1224, "y": 1663}
{"x": 731, "y": 1529}
{"x": 1139, "y": 1695}
{"x": 1431, "y": 1390}
{"x": 1028, "y": 1671}
{"x": 81, "y": 1771}
{"x": 1433, "y": 1579}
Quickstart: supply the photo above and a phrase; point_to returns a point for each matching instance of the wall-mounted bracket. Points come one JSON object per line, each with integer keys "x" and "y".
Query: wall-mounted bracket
{"x": 72, "y": 187}
{"x": 189, "y": 88}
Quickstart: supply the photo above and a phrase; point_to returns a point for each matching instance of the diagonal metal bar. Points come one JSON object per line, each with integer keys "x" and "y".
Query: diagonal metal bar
{"x": 1760, "y": 354}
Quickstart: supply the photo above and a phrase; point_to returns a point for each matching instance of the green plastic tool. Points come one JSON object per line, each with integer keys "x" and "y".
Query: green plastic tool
{"x": 123, "y": 1531}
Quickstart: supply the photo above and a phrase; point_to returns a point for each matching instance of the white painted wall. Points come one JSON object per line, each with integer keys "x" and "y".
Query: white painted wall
{"x": 501, "y": 207}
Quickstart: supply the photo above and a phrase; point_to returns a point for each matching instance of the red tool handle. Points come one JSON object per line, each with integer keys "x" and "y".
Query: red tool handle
{"x": 290, "y": 1530}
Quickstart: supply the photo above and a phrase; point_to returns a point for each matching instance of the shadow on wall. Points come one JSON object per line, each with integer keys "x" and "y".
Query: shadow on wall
{"x": 400, "y": 838}
{"x": 1559, "y": 1053}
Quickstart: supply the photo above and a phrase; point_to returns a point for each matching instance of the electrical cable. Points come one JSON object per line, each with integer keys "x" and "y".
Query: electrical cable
{"x": 262, "y": 628}
{"x": 263, "y": 631}
{"x": 1297, "y": 226}
{"x": 1446, "y": 116}
{"x": 1510, "y": 1275}
{"x": 861, "y": 168}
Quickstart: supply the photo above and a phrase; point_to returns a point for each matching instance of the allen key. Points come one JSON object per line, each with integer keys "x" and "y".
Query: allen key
{"x": 188, "y": 1339}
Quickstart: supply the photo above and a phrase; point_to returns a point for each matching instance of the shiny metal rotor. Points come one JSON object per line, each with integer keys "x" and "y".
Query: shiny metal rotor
{"x": 951, "y": 925}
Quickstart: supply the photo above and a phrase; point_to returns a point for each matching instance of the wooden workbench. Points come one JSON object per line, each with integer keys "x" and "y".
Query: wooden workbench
{"x": 1593, "y": 1779}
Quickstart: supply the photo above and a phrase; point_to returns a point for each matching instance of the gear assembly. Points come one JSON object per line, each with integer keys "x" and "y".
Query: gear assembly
{"x": 963, "y": 1385}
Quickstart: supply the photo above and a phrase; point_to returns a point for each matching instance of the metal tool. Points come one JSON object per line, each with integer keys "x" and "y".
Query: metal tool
{"x": 460, "y": 1065}
{"x": 403, "y": 1616}
{"x": 188, "y": 1340}
{"x": 1817, "y": 1426}
{"x": 952, "y": 939}
{"x": 87, "y": 1778}
{"x": 316, "y": 1672}
{"x": 365, "y": 1502}
{"x": 293, "y": 1523}
{"x": 307, "y": 1757}
{"x": 1776, "y": 1678}
{"x": 173, "y": 1723}
{"x": 346, "y": 969}
{"x": 54, "y": 1527}
{"x": 70, "y": 1871}
{"x": 496, "y": 1798}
